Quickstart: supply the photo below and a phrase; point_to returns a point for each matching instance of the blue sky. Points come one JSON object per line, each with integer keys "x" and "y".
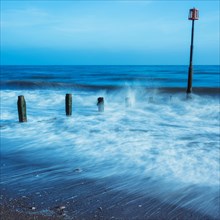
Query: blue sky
{"x": 108, "y": 32}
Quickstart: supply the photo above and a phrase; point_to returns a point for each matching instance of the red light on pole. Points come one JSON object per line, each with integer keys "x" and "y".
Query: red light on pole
{"x": 193, "y": 15}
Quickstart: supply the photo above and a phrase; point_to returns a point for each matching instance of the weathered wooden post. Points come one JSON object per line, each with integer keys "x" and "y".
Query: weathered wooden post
{"x": 151, "y": 99}
{"x": 127, "y": 102}
{"x": 68, "y": 100}
{"x": 100, "y": 104}
{"x": 22, "y": 115}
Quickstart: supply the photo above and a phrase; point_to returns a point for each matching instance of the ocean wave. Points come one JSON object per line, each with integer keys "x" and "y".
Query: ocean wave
{"x": 31, "y": 85}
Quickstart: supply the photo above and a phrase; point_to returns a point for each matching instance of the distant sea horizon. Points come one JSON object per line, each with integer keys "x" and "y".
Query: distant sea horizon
{"x": 108, "y": 65}
{"x": 108, "y": 76}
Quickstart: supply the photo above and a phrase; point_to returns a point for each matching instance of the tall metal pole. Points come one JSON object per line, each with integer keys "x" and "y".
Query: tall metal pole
{"x": 190, "y": 72}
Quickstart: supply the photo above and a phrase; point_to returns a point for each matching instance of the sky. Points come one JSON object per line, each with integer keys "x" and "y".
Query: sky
{"x": 154, "y": 32}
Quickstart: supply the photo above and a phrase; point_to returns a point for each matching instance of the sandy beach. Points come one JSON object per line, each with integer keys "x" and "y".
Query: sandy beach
{"x": 94, "y": 202}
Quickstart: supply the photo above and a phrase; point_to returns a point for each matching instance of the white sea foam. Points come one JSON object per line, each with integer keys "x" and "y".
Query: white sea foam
{"x": 164, "y": 147}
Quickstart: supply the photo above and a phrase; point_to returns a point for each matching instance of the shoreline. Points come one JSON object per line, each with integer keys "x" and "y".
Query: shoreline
{"x": 99, "y": 204}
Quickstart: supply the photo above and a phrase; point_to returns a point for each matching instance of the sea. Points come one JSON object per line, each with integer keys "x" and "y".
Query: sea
{"x": 151, "y": 140}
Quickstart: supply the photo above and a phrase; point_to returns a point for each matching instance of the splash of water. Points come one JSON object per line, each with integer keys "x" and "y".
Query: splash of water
{"x": 167, "y": 148}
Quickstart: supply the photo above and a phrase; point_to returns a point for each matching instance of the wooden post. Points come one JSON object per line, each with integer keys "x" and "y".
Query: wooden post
{"x": 151, "y": 99}
{"x": 100, "y": 104}
{"x": 68, "y": 100}
{"x": 127, "y": 102}
{"x": 22, "y": 115}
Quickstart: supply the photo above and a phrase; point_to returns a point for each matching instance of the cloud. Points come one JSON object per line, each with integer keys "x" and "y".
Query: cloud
{"x": 27, "y": 17}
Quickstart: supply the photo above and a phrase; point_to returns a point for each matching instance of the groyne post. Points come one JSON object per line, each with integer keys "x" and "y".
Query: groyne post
{"x": 68, "y": 101}
{"x": 127, "y": 102}
{"x": 151, "y": 99}
{"x": 100, "y": 104}
{"x": 21, "y": 104}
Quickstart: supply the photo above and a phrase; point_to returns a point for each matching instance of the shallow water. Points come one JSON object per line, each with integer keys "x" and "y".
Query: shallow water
{"x": 163, "y": 145}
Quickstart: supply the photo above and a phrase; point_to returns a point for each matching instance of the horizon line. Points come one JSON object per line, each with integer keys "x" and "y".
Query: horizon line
{"x": 107, "y": 65}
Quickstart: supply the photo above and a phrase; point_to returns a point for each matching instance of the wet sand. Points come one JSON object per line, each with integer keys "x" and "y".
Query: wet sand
{"x": 91, "y": 202}
{"x": 8, "y": 213}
